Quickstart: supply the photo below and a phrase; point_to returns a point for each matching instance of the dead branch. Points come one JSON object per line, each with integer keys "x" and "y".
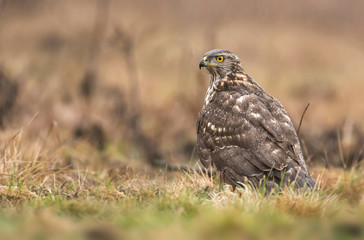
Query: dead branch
{"x": 89, "y": 79}
{"x": 303, "y": 114}
{"x": 183, "y": 168}
{"x": 134, "y": 115}
{"x": 8, "y": 95}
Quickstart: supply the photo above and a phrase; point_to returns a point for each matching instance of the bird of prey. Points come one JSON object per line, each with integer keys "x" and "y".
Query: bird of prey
{"x": 244, "y": 133}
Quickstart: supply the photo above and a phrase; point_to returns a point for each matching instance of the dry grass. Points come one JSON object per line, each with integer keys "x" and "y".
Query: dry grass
{"x": 41, "y": 198}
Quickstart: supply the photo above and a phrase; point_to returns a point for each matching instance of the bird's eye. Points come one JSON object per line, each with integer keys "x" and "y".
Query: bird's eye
{"x": 220, "y": 58}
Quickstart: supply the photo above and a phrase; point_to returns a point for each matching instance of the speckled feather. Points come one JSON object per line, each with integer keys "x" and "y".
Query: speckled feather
{"x": 244, "y": 132}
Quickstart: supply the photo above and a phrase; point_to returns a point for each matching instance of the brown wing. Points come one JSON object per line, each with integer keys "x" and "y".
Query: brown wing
{"x": 252, "y": 136}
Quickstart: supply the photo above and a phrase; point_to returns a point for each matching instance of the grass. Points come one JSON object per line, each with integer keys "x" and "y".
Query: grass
{"x": 56, "y": 184}
{"x": 41, "y": 199}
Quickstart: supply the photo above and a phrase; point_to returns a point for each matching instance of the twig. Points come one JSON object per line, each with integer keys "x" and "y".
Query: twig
{"x": 341, "y": 150}
{"x": 183, "y": 168}
{"x": 326, "y": 159}
{"x": 89, "y": 80}
{"x": 98, "y": 31}
{"x": 2, "y": 7}
{"x": 134, "y": 114}
{"x": 303, "y": 114}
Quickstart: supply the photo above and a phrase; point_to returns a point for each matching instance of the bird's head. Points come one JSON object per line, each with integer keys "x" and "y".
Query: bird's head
{"x": 220, "y": 63}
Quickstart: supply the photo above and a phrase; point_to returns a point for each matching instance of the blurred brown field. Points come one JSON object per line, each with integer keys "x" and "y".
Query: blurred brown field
{"x": 100, "y": 70}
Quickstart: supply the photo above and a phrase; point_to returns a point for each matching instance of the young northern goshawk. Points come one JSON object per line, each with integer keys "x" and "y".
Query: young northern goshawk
{"x": 244, "y": 132}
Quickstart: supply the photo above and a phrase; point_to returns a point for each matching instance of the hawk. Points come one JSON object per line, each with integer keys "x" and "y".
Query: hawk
{"x": 243, "y": 132}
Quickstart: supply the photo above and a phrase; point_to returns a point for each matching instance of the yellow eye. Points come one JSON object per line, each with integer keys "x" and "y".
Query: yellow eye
{"x": 220, "y": 58}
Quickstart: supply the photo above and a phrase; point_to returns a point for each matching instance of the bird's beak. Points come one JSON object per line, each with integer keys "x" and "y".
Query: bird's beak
{"x": 203, "y": 63}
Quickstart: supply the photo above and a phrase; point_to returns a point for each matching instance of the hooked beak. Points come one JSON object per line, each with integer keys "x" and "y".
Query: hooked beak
{"x": 203, "y": 63}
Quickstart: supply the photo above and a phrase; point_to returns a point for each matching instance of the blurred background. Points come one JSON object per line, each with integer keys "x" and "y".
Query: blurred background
{"x": 119, "y": 80}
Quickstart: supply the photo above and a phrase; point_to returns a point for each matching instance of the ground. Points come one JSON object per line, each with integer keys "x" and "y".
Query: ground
{"x": 41, "y": 201}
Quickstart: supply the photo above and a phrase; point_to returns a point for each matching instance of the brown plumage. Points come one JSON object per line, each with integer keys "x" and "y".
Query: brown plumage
{"x": 244, "y": 132}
